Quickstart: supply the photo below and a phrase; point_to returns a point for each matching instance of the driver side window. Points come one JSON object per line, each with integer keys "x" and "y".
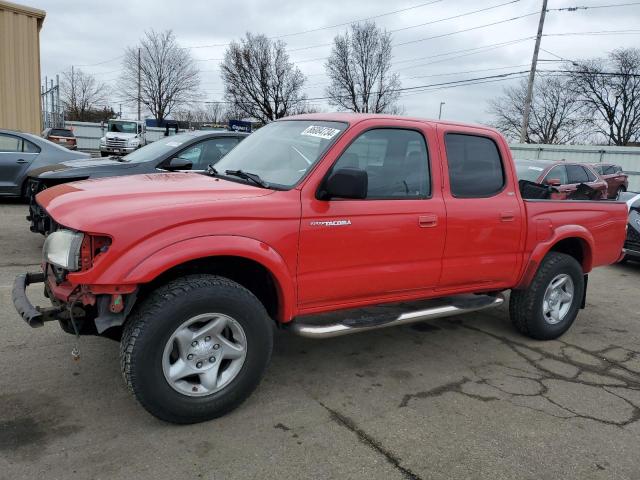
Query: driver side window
{"x": 396, "y": 162}
{"x": 557, "y": 173}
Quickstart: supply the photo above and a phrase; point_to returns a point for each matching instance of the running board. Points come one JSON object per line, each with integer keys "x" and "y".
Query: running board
{"x": 344, "y": 322}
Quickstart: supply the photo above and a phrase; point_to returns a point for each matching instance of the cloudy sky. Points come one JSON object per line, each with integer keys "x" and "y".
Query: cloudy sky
{"x": 430, "y": 49}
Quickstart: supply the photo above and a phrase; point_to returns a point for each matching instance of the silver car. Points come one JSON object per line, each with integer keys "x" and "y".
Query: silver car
{"x": 21, "y": 152}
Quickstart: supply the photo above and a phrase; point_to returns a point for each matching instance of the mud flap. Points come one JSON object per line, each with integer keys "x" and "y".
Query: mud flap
{"x": 584, "y": 293}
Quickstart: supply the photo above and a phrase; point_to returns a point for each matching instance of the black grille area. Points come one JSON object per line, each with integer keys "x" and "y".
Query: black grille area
{"x": 633, "y": 240}
{"x": 41, "y": 222}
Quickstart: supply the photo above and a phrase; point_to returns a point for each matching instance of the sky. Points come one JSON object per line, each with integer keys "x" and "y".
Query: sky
{"x": 429, "y": 48}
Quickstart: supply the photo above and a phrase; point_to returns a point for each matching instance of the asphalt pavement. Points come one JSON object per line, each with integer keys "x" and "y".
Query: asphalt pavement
{"x": 458, "y": 398}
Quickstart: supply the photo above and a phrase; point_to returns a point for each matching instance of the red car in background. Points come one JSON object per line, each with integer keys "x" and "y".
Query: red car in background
{"x": 616, "y": 179}
{"x": 62, "y": 136}
{"x": 564, "y": 176}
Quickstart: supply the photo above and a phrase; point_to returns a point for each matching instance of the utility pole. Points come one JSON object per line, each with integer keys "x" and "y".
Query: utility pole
{"x": 440, "y": 112}
{"x": 140, "y": 81}
{"x": 532, "y": 76}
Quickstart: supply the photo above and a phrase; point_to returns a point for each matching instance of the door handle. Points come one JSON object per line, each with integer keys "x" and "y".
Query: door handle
{"x": 507, "y": 217}
{"x": 22, "y": 160}
{"x": 427, "y": 221}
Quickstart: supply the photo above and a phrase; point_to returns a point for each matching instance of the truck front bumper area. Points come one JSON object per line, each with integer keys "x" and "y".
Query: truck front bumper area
{"x": 117, "y": 150}
{"x": 34, "y": 316}
{"x": 110, "y": 310}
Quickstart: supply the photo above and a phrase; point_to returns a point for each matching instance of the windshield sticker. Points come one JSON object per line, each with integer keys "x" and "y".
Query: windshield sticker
{"x": 321, "y": 132}
{"x": 174, "y": 144}
{"x": 537, "y": 169}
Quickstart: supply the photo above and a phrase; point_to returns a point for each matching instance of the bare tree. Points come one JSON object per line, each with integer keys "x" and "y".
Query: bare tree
{"x": 359, "y": 71}
{"x": 82, "y": 94}
{"x": 554, "y": 116}
{"x": 259, "y": 80}
{"x": 168, "y": 74}
{"x": 609, "y": 91}
{"x": 210, "y": 112}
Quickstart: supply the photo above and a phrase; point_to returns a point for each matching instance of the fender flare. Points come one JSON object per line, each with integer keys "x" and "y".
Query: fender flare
{"x": 196, "y": 248}
{"x": 543, "y": 248}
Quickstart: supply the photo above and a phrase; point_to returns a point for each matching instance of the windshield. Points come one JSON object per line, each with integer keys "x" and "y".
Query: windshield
{"x": 123, "y": 127}
{"x": 282, "y": 152}
{"x": 157, "y": 149}
{"x": 528, "y": 171}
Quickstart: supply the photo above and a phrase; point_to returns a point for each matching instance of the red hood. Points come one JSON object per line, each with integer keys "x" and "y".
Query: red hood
{"x": 91, "y": 204}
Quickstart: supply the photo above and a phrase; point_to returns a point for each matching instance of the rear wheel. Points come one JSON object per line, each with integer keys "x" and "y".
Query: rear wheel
{"x": 196, "y": 348}
{"x": 548, "y": 307}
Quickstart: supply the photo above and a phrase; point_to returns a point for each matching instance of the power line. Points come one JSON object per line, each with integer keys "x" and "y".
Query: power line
{"x": 466, "y": 29}
{"x": 453, "y": 17}
{"x": 591, "y": 7}
{"x": 393, "y": 12}
{"x": 418, "y": 25}
{"x": 600, "y": 32}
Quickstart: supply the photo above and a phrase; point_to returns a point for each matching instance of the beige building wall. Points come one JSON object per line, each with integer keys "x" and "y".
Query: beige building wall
{"x": 20, "y": 67}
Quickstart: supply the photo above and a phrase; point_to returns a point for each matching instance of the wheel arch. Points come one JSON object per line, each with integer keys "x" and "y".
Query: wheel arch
{"x": 575, "y": 241}
{"x": 251, "y": 263}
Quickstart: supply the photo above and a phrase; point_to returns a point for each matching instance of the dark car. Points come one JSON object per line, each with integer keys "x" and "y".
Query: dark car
{"x": 631, "y": 247}
{"x": 565, "y": 177}
{"x": 617, "y": 180}
{"x": 192, "y": 151}
{"x": 22, "y": 152}
{"x": 62, "y": 136}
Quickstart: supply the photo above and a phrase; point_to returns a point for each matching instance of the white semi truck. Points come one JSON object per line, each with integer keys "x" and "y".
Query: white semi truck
{"x": 123, "y": 137}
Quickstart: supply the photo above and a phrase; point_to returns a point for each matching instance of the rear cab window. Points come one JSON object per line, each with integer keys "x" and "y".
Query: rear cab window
{"x": 475, "y": 166}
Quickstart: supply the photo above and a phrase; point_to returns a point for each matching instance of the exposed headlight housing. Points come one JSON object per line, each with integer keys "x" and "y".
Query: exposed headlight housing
{"x": 103, "y": 140}
{"x": 134, "y": 142}
{"x": 62, "y": 249}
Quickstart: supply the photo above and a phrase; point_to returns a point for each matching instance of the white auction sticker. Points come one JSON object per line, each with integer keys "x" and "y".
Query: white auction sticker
{"x": 321, "y": 132}
{"x": 174, "y": 144}
{"x": 537, "y": 169}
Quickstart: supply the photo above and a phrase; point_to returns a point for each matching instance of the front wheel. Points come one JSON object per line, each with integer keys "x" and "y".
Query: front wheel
{"x": 196, "y": 348}
{"x": 548, "y": 307}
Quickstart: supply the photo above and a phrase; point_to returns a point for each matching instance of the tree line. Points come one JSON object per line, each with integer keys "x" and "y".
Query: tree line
{"x": 589, "y": 101}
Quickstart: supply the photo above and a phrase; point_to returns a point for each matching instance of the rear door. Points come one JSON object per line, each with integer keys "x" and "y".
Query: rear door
{"x": 485, "y": 216}
{"x": 16, "y": 155}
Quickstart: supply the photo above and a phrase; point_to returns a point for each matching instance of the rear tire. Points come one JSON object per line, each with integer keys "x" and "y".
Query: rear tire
{"x": 548, "y": 307}
{"x": 196, "y": 348}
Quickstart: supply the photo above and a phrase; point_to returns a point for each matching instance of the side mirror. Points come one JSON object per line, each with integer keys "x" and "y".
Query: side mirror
{"x": 178, "y": 163}
{"x": 554, "y": 182}
{"x": 346, "y": 183}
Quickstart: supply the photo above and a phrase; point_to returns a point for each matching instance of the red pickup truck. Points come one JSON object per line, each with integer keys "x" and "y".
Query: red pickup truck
{"x": 324, "y": 224}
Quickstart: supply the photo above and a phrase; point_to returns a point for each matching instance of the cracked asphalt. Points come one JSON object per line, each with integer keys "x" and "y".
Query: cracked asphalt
{"x": 465, "y": 397}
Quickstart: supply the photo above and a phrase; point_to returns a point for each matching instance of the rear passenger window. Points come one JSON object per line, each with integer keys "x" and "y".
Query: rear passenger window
{"x": 557, "y": 173}
{"x": 396, "y": 162}
{"x": 475, "y": 167}
{"x": 577, "y": 174}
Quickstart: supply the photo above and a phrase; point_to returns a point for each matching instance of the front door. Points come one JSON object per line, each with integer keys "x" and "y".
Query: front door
{"x": 385, "y": 245}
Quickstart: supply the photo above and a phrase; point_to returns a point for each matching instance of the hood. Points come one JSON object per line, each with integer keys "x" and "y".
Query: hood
{"x": 81, "y": 168}
{"x": 93, "y": 205}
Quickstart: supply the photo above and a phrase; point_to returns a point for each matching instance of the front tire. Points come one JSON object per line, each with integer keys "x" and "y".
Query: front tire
{"x": 196, "y": 348}
{"x": 548, "y": 307}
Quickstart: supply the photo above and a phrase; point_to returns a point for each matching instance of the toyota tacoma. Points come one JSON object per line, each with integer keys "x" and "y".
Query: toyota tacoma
{"x": 325, "y": 225}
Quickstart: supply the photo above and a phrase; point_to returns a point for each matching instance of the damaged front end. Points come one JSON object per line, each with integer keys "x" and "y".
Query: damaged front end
{"x": 79, "y": 308}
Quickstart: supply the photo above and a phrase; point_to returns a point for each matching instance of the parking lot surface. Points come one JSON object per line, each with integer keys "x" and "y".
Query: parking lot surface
{"x": 465, "y": 397}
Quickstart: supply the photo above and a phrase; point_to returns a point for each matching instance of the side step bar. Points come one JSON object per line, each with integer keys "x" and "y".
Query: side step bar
{"x": 373, "y": 318}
